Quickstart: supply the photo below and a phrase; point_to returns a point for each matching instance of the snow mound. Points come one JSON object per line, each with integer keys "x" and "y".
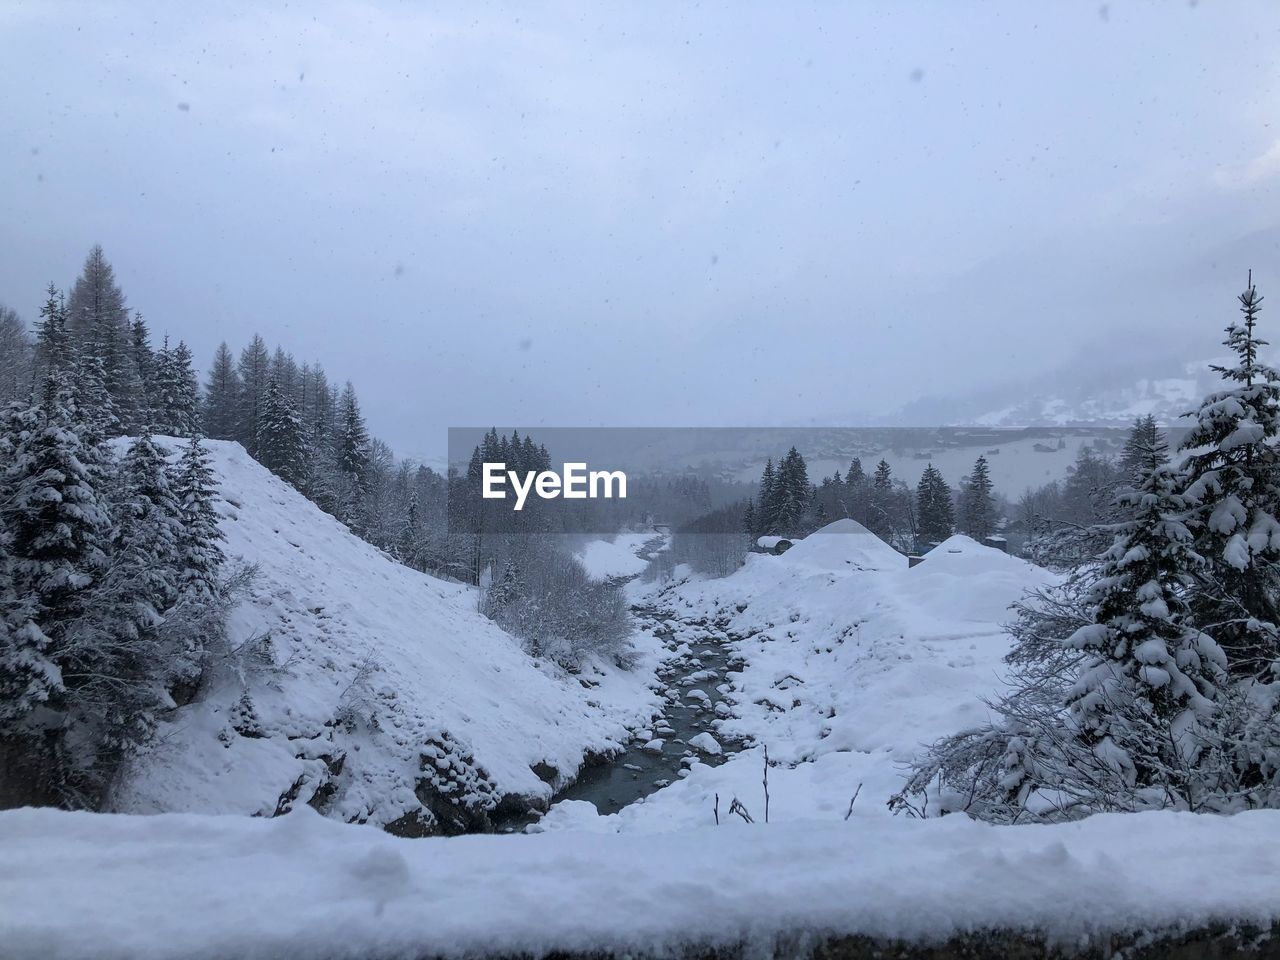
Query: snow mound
{"x": 963, "y": 554}
{"x": 363, "y": 687}
{"x": 844, "y": 545}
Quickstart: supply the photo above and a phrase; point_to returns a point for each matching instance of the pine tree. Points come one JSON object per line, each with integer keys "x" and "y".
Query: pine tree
{"x": 769, "y": 500}
{"x": 53, "y": 341}
{"x": 117, "y": 659}
{"x": 1145, "y": 442}
{"x": 1150, "y": 677}
{"x": 252, "y": 370}
{"x": 935, "y": 517}
{"x": 195, "y": 623}
{"x": 222, "y": 397}
{"x": 144, "y": 365}
{"x": 857, "y": 493}
{"x": 17, "y": 356}
{"x": 92, "y": 405}
{"x": 353, "y": 438}
{"x": 177, "y": 392}
{"x": 880, "y": 507}
{"x": 791, "y": 493}
{"x": 98, "y": 320}
{"x": 55, "y": 537}
{"x": 200, "y": 555}
{"x": 281, "y": 443}
{"x": 977, "y": 507}
{"x": 1233, "y": 483}
{"x": 750, "y": 524}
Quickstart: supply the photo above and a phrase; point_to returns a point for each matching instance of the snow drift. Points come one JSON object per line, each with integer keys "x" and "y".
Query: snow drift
{"x": 186, "y": 886}
{"x": 373, "y": 692}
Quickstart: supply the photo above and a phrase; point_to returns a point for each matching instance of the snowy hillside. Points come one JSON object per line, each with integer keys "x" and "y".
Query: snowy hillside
{"x": 851, "y": 660}
{"x": 371, "y": 691}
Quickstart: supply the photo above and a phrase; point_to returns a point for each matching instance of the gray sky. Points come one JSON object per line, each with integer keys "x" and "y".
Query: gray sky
{"x": 657, "y": 213}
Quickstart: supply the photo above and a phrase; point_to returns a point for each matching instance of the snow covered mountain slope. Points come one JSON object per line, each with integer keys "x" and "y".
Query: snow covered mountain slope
{"x": 852, "y": 661}
{"x": 371, "y": 691}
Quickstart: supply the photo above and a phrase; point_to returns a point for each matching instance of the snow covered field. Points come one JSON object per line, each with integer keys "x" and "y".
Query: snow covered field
{"x": 362, "y": 678}
{"x": 79, "y": 885}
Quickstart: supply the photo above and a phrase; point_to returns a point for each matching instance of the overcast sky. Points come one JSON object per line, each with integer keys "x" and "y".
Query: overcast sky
{"x": 651, "y": 213}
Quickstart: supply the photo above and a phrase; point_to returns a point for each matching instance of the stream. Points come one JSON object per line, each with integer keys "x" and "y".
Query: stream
{"x": 684, "y": 733}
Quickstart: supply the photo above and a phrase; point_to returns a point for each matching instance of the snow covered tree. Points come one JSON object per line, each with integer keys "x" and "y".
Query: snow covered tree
{"x": 144, "y": 365}
{"x": 195, "y": 622}
{"x": 16, "y": 357}
{"x": 1233, "y": 483}
{"x": 977, "y": 507}
{"x": 1144, "y": 441}
{"x": 55, "y": 534}
{"x": 792, "y": 492}
{"x": 352, "y": 447}
{"x": 767, "y": 518}
{"x": 53, "y": 342}
{"x": 252, "y": 371}
{"x": 222, "y": 397}
{"x": 1150, "y": 680}
{"x": 177, "y": 401}
{"x": 281, "y": 444}
{"x": 935, "y": 517}
{"x": 880, "y": 512}
{"x": 98, "y": 320}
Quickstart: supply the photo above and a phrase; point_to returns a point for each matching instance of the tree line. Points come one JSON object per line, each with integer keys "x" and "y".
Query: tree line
{"x": 788, "y": 504}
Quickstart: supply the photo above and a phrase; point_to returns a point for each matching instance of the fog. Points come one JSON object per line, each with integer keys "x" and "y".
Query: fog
{"x": 732, "y": 214}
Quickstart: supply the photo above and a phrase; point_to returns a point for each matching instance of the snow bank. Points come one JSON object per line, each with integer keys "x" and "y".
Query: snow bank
{"x": 360, "y": 680}
{"x": 187, "y": 886}
{"x": 607, "y": 559}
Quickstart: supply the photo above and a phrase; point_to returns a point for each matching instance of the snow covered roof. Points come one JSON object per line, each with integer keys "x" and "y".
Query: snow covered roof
{"x": 768, "y": 543}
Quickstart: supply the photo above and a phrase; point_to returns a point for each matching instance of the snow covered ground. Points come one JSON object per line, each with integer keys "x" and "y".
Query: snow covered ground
{"x": 853, "y": 661}
{"x": 607, "y": 559}
{"x": 78, "y": 885}
{"x": 362, "y": 679}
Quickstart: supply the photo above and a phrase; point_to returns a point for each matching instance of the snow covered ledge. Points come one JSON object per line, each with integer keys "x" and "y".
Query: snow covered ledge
{"x": 185, "y": 885}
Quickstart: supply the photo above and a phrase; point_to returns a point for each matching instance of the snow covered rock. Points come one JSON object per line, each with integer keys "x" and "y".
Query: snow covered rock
{"x": 706, "y": 743}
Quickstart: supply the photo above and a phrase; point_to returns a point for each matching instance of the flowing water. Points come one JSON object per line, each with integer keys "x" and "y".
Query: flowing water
{"x": 696, "y": 682}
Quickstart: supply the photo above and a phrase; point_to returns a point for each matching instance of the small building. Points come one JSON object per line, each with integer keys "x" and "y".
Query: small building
{"x": 775, "y": 545}
{"x": 998, "y": 543}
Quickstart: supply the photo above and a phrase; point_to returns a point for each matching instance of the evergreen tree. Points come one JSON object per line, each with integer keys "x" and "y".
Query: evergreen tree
{"x": 53, "y": 341}
{"x": 1145, "y": 442}
{"x": 55, "y": 537}
{"x": 99, "y": 323}
{"x": 144, "y": 365}
{"x": 880, "y": 505}
{"x": 281, "y": 444}
{"x": 1149, "y": 681}
{"x": 252, "y": 370}
{"x": 769, "y": 500}
{"x": 791, "y": 493}
{"x": 1233, "y": 483}
{"x": 857, "y": 493}
{"x": 977, "y": 507}
{"x": 749, "y": 522}
{"x": 195, "y": 622}
{"x": 222, "y": 397}
{"x": 16, "y": 357}
{"x": 935, "y": 518}
{"x": 177, "y": 393}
